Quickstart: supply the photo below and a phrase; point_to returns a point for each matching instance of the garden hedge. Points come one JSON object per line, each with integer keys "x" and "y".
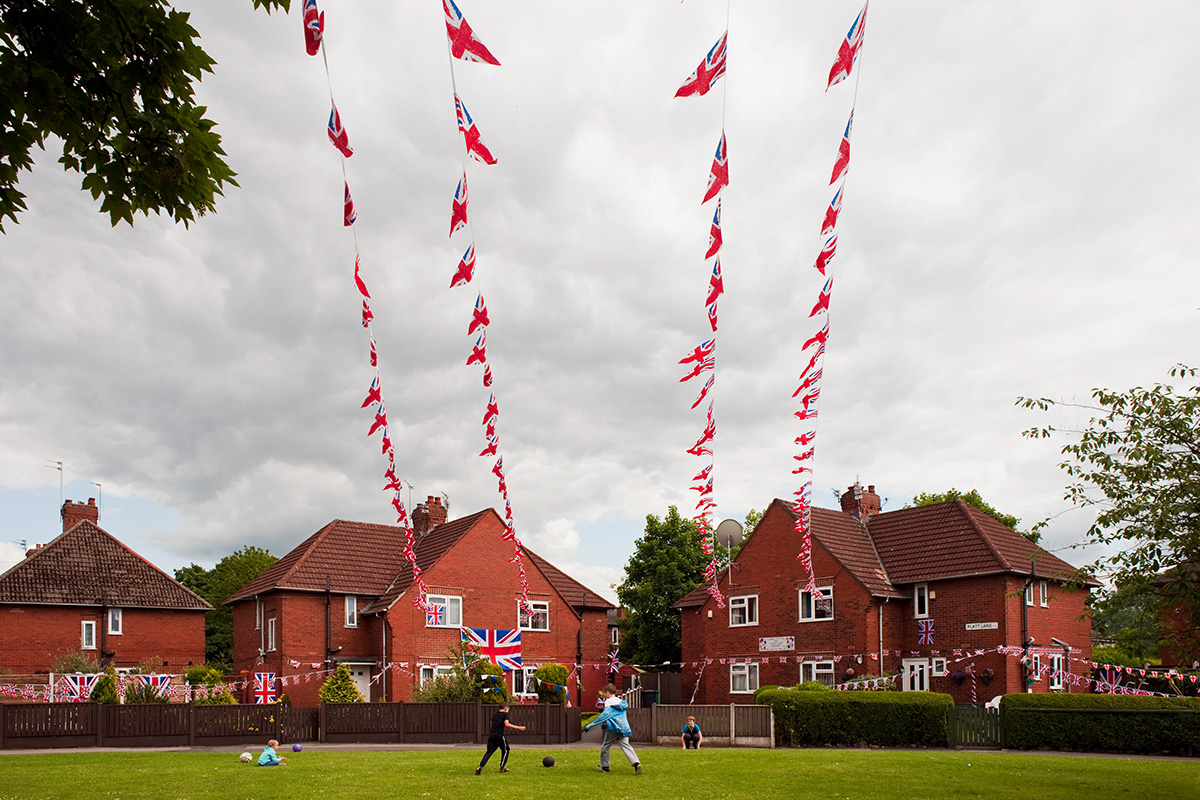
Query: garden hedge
{"x": 1099, "y": 723}
{"x": 887, "y": 719}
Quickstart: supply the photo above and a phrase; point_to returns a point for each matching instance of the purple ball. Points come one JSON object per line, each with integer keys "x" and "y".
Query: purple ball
{"x": 296, "y": 748}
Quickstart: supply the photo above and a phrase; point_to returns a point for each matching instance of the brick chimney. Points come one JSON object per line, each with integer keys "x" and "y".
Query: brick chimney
{"x": 861, "y": 504}
{"x": 428, "y": 515}
{"x": 74, "y": 513}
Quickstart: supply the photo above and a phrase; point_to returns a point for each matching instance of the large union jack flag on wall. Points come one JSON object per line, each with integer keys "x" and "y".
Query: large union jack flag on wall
{"x": 925, "y": 631}
{"x": 79, "y": 687}
{"x": 264, "y": 687}
{"x": 501, "y": 647}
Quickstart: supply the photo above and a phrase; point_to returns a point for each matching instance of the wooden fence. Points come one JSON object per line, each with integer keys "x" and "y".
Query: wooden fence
{"x": 731, "y": 725}
{"x": 40, "y": 725}
{"x": 975, "y": 727}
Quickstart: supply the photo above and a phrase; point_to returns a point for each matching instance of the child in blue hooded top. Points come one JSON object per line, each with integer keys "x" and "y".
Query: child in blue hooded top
{"x": 616, "y": 729}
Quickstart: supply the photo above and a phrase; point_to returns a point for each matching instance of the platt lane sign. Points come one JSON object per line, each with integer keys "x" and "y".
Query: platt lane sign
{"x": 982, "y": 626}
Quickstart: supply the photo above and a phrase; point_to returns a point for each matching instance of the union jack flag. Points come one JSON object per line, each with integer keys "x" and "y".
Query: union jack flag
{"x": 479, "y": 317}
{"x": 478, "y": 351}
{"x": 159, "y": 683}
{"x": 358, "y": 281}
{"x": 843, "y": 157}
{"x": 925, "y": 631}
{"x": 501, "y": 647}
{"x": 314, "y": 27}
{"x": 464, "y": 44}
{"x": 458, "y": 212}
{"x": 614, "y": 660}
{"x": 476, "y": 149}
{"x": 708, "y": 385}
{"x": 714, "y": 233}
{"x": 79, "y": 687}
{"x": 718, "y": 173}
{"x": 435, "y": 615}
{"x": 832, "y": 213}
{"x": 702, "y": 352}
{"x": 348, "y": 213}
{"x": 337, "y": 133}
{"x": 264, "y": 687}
{"x": 708, "y": 73}
{"x": 848, "y": 50}
{"x": 716, "y": 286}
{"x": 466, "y": 268}
{"x": 828, "y": 250}
{"x": 822, "y": 303}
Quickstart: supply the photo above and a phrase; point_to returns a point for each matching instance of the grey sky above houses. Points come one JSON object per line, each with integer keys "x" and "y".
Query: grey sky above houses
{"x": 1020, "y": 218}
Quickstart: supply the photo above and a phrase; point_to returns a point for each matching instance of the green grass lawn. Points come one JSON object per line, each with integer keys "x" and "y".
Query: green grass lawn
{"x": 669, "y": 773}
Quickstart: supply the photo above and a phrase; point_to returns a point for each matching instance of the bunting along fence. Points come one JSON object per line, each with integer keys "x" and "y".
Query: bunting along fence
{"x": 462, "y": 44}
{"x": 703, "y": 358}
{"x": 809, "y": 389}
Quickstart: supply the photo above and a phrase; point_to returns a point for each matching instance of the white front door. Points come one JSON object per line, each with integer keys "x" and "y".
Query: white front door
{"x": 361, "y": 673}
{"x": 915, "y": 673}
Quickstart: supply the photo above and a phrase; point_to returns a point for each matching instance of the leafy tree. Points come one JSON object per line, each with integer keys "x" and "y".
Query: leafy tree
{"x": 1128, "y": 619}
{"x": 114, "y": 81}
{"x": 216, "y": 586}
{"x": 203, "y": 678}
{"x": 973, "y": 498}
{"x": 556, "y": 674}
{"x": 339, "y": 687}
{"x": 667, "y": 563}
{"x": 1137, "y": 463}
{"x": 472, "y": 678}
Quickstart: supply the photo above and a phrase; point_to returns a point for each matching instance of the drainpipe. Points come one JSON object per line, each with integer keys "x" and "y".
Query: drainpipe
{"x": 579, "y": 653}
{"x": 383, "y": 651}
{"x": 1026, "y": 639}
{"x": 328, "y": 619}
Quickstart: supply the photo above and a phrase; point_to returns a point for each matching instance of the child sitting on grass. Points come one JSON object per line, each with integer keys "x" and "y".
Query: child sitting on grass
{"x": 269, "y": 757}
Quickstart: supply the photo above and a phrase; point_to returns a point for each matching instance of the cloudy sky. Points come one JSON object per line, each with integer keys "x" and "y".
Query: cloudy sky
{"x": 1020, "y": 219}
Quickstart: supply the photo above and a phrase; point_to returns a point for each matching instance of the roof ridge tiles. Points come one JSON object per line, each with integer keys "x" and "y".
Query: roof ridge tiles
{"x": 964, "y": 507}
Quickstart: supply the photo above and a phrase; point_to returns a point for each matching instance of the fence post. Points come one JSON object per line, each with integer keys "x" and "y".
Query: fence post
{"x": 321, "y": 723}
{"x": 3, "y": 722}
{"x": 280, "y": 710}
{"x": 771, "y": 722}
{"x": 732, "y": 726}
{"x": 545, "y": 723}
{"x": 99, "y": 718}
{"x": 191, "y": 714}
{"x": 1003, "y": 728}
{"x": 400, "y": 721}
{"x": 654, "y": 723}
{"x": 478, "y": 721}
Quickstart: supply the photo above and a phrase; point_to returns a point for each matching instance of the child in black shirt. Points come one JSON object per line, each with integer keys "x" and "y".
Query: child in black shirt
{"x": 496, "y": 740}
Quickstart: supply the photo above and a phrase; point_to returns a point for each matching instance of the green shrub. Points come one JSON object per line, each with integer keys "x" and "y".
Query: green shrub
{"x": 472, "y": 678}
{"x": 812, "y": 686}
{"x": 888, "y": 719}
{"x": 138, "y": 692}
{"x": 1098, "y": 723}
{"x": 105, "y": 688}
{"x": 584, "y": 719}
{"x": 552, "y": 673}
{"x": 206, "y": 675}
{"x": 339, "y": 687}
{"x": 79, "y": 661}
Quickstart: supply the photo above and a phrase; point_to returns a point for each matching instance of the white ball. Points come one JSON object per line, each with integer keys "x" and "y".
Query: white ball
{"x": 246, "y": 758}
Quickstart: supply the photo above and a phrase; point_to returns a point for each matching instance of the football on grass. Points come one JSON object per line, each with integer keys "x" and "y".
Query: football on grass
{"x": 246, "y": 758}
{"x": 296, "y": 748}
{"x": 548, "y": 761}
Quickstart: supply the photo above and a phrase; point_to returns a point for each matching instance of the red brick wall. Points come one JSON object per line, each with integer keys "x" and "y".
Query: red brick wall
{"x": 32, "y": 637}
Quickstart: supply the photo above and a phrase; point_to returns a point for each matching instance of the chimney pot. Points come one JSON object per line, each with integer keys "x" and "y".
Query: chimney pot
{"x": 73, "y": 513}
{"x": 860, "y": 504}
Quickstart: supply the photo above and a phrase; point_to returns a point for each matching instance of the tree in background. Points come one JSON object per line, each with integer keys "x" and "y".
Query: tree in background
{"x": 105, "y": 688}
{"x": 973, "y": 498}
{"x": 208, "y": 686}
{"x": 1126, "y": 621}
{"x": 216, "y": 586}
{"x": 114, "y": 81}
{"x": 472, "y": 677}
{"x": 555, "y": 674}
{"x": 1137, "y": 463}
{"x": 667, "y": 563}
{"x": 339, "y": 687}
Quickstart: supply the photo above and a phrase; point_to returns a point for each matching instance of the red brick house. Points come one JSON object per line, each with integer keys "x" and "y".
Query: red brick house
{"x": 86, "y": 592}
{"x": 343, "y": 596}
{"x": 915, "y": 591}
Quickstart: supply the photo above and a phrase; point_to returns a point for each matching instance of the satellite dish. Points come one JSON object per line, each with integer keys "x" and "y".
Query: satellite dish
{"x": 729, "y": 533}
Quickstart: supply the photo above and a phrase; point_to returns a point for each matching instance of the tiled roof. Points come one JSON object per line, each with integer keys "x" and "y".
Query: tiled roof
{"x": 86, "y": 566}
{"x": 955, "y": 539}
{"x": 357, "y": 558}
{"x": 575, "y": 593}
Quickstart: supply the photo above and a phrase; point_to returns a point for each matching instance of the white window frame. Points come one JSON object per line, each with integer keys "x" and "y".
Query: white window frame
{"x": 521, "y": 682}
{"x": 351, "y": 611}
{"x": 1057, "y": 668}
{"x": 813, "y": 605}
{"x": 258, "y": 614}
{"x": 614, "y": 634}
{"x": 747, "y": 673}
{"x": 271, "y": 634}
{"x": 1044, "y": 593}
{"x": 818, "y": 671}
{"x": 915, "y": 674}
{"x": 1035, "y": 668}
{"x": 939, "y": 667}
{"x": 431, "y": 672}
{"x": 527, "y": 622}
{"x": 921, "y": 601}
{"x": 87, "y": 633}
{"x": 114, "y": 621}
{"x": 1029, "y": 594}
{"x": 445, "y": 600}
{"x": 748, "y": 605}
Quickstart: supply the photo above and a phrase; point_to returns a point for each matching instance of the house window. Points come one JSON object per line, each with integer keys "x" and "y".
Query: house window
{"x": 816, "y": 608}
{"x": 430, "y": 672}
{"x": 537, "y": 618}
{"x": 1057, "y": 668}
{"x": 351, "y": 611}
{"x": 522, "y": 681}
{"x": 939, "y": 667}
{"x": 915, "y": 674}
{"x": 817, "y": 671}
{"x": 743, "y": 610}
{"x": 271, "y": 634}
{"x": 743, "y": 678}
{"x": 1044, "y": 593}
{"x": 921, "y": 600}
{"x": 1029, "y": 594}
{"x": 87, "y": 638}
{"x": 258, "y": 614}
{"x": 443, "y": 611}
{"x": 114, "y": 621}
{"x": 1035, "y": 670}
{"x": 614, "y": 635}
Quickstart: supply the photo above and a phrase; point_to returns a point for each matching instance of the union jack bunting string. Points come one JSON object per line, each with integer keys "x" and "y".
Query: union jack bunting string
{"x": 847, "y": 54}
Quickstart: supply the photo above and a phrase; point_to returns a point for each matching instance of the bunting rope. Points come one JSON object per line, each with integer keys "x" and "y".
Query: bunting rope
{"x": 809, "y": 389}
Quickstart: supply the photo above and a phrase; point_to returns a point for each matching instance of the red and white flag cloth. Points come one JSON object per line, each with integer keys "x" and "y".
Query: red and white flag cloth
{"x": 479, "y": 317}
{"x": 466, "y": 268}
{"x": 358, "y": 281}
{"x": 716, "y": 286}
{"x": 703, "y": 351}
{"x": 828, "y": 251}
{"x": 832, "y": 213}
{"x": 701, "y": 366}
{"x": 314, "y": 27}
{"x": 847, "y": 54}
{"x": 843, "y": 157}
{"x": 818, "y": 338}
{"x": 374, "y": 353}
{"x": 374, "y": 394}
{"x": 458, "y": 212}
{"x": 349, "y": 216}
{"x": 487, "y": 374}
{"x": 704, "y": 390}
{"x": 337, "y": 132}
{"x": 478, "y": 351}
{"x": 718, "y": 173}
{"x": 709, "y": 72}
{"x": 476, "y": 149}
{"x": 822, "y": 303}
{"x": 367, "y": 316}
{"x": 714, "y": 233}
{"x": 464, "y": 44}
